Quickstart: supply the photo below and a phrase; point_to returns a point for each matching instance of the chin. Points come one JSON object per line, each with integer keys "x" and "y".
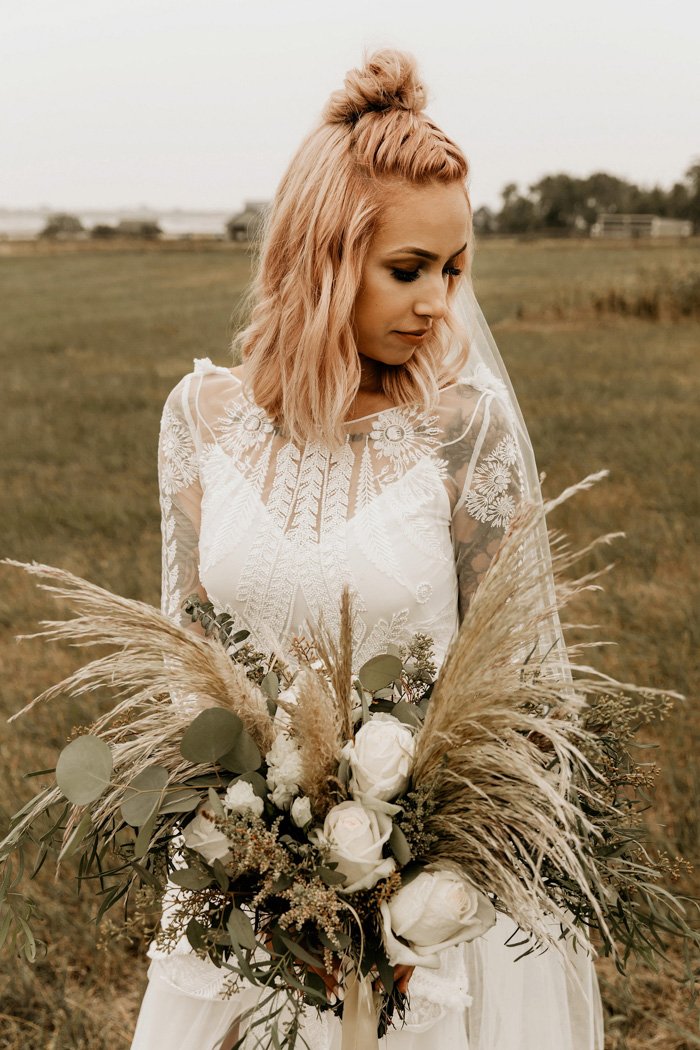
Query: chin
{"x": 397, "y": 357}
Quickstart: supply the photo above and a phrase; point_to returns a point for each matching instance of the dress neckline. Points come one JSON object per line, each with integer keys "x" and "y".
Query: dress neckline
{"x": 370, "y": 415}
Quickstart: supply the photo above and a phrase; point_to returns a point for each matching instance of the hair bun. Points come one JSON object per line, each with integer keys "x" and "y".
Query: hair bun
{"x": 388, "y": 80}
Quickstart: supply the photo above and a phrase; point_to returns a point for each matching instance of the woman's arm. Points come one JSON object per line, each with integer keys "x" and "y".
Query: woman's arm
{"x": 180, "y": 503}
{"x": 488, "y": 484}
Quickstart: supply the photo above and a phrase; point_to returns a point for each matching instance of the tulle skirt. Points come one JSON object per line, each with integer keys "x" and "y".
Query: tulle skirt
{"x": 480, "y": 999}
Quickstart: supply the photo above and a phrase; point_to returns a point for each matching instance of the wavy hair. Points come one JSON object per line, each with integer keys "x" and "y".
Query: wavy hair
{"x": 300, "y": 356}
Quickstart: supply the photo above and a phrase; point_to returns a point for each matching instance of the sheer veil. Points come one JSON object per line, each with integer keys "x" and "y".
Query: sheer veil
{"x": 485, "y": 367}
{"x": 538, "y": 1002}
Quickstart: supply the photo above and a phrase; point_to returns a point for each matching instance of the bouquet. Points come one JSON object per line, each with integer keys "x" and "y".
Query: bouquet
{"x": 312, "y": 827}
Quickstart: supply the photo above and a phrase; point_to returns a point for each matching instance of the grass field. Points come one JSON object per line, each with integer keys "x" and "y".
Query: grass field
{"x": 91, "y": 343}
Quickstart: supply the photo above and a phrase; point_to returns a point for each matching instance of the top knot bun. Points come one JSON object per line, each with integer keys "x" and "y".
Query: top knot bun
{"x": 388, "y": 80}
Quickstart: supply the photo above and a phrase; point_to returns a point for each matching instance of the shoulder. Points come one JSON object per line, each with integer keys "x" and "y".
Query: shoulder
{"x": 202, "y": 394}
{"x": 473, "y": 413}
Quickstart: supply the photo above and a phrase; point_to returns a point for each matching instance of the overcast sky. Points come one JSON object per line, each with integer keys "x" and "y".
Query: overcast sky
{"x": 107, "y": 103}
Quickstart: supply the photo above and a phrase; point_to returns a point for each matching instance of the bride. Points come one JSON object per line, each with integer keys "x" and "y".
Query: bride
{"x": 369, "y": 438}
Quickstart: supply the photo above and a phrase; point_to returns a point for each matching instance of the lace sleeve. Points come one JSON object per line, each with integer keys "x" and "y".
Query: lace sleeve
{"x": 180, "y": 502}
{"x": 489, "y": 483}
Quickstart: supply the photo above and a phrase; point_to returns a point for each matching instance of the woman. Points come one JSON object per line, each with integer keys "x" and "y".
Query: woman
{"x": 362, "y": 441}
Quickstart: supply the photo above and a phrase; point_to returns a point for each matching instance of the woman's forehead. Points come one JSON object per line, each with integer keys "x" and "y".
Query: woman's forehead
{"x": 434, "y": 218}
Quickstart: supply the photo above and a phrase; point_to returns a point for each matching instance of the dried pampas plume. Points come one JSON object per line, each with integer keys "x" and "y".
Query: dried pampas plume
{"x": 318, "y": 730}
{"x": 501, "y": 737}
{"x": 153, "y": 659}
{"x": 153, "y": 656}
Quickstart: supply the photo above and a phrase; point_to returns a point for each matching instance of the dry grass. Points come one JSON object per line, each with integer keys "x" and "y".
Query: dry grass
{"x": 91, "y": 343}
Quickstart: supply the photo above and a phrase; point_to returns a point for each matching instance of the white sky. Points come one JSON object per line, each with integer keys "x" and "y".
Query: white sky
{"x": 107, "y": 103}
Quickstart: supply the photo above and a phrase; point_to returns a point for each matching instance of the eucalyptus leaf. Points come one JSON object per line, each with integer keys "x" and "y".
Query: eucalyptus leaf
{"x": 399, "y": 846}
{"x": 243, "y": 756}
{"x": 215, "y": 803}
{"x": 211, "y": 735}
{"x": 196, "y": 934}
{"x": 191, "y": 878}
{"x": 180, "y": 800}
{"x": 330, "y": 877}
{"x": 76, "y": 836}
{"x": 392, "y": 649}
{"x": 207, "y": 780}
{"x": 271, "y": 685}
{"x": 411, "y": 872}
{"x": 84, "y": 769}
{"x": 220, "y": 874}
{"x": 337, "y": 942}
{"x": 145, "y": 835}
{"x": 256, "y": 781}
{"x": 386, "y": 972}
{"x": 380, "y": 671}
{"x": 241, "y": 929}
{"x": 144, "y": 795}
{"x": 407, "y": 714}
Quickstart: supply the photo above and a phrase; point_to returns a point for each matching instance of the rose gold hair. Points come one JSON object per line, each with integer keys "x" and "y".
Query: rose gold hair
{"x": 301, "y": 360}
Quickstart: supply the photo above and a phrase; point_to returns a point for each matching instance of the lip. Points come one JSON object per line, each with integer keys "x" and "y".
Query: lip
{"x": 413, "y": 338}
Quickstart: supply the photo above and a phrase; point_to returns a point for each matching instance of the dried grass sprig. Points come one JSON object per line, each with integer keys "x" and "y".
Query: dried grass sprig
{"x": 336, "y": 655}
{"x": 502, "y": 732}
{"x": 152, "y": 657}
{"x": 318, "y": 728}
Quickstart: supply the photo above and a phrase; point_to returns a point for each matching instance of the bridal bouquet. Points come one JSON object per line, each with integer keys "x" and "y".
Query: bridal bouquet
{"x": 313, "y": 828}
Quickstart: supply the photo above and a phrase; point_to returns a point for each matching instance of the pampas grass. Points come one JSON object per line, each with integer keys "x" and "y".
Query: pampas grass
{"x": 152, "y": 660}
{"x": 502, "y": 737}
{"x": 319, "y": 732}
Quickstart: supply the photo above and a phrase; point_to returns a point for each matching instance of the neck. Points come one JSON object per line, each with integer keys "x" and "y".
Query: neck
{"x": 370, "y": 375}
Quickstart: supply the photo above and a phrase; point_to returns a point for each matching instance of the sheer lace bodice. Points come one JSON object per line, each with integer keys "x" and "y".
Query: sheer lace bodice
{"x": 408, "y": 511}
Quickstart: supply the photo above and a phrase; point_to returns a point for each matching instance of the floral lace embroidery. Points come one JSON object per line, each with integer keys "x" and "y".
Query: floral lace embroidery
{"x": 178, "y": 454}
{"x": 424, "y": 592}
{"x": 178, "y": 469}
{"x": 488, "y": 499}
{"x": 403, "y": 435}
{"x": 244, "y": 426}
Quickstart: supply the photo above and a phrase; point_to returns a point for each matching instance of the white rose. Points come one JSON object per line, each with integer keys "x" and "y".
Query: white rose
{"x": 240, "y": 798}
{"x": 356, "y": 837}
{"x": 434, "y": 911}
{"x": 301, "y": 811}
{"x": 202, "y": 835}
{"x": 381, "y": 758}
{"x": 284, "y": 770}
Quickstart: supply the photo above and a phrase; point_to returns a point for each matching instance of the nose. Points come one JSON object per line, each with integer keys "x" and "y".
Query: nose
{"x": 433, "y": 300}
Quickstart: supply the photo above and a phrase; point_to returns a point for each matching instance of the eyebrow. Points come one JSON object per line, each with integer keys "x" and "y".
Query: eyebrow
{"x": 422, "y": 254}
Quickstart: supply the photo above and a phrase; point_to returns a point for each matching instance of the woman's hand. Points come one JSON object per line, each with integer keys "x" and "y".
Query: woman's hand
{"x": 402, "y": 975}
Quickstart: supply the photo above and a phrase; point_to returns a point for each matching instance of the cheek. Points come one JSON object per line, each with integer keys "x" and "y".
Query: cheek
{"x": 378, "y": 303}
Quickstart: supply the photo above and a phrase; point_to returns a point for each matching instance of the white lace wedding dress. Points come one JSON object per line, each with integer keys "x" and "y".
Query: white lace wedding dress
{"x": 409, "y": 511}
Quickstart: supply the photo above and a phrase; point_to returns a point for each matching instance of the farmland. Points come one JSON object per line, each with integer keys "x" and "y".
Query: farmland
{"x": 92, "y": 341}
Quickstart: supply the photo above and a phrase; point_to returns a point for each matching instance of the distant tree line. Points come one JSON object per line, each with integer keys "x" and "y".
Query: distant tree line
{"x": 566, "y": 204}
{"x": 64, "y": 226}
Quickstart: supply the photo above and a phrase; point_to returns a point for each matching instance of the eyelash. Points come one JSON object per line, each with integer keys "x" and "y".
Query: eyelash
{"x": 411, "y": 275}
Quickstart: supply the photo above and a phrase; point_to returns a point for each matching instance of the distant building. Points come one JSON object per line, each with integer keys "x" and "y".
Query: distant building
{"x": 248, "y": 224}
{"x": 614, "y": 225}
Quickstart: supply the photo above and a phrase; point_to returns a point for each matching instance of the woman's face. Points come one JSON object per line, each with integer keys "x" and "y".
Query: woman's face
{"x": 403, "y": 290}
